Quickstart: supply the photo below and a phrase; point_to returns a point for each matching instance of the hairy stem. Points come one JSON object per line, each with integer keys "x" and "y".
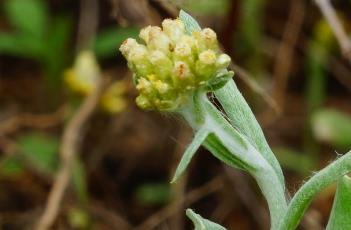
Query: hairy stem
{"x": 319, "y": 181}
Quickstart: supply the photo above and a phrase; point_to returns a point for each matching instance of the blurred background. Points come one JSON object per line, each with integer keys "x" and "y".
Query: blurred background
{"x": 67, "y": 109}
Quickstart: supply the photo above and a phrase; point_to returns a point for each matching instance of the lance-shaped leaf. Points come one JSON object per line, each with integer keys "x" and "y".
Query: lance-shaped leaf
{"x": 340, "y": 217}
{"x": 201, "y": 223}
{"x": 199, "y": 138}
{"x": 190, "y": 23}
{"x": 241, "y": 116}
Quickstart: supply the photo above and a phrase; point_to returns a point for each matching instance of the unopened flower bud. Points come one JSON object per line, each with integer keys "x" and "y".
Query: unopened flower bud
{"x": 206, "y": 39}
{"x": 158, "y": 40}
{"x": 143, "y": 102}
{"x": 144, "y": 85}
{"x": 127, "y": 45}
{"x": 181, "y": 70}
{"x": 139, "y": 58}
{"x": 161, "y": 87}
{"x": 207, "y": 57}
{"x": 223, "y": 61}
{"x": 205, "y": 66}
{"x": 162, "y": 65}
{"x": 173, "y": 28}
{"x": 144, "y": 34}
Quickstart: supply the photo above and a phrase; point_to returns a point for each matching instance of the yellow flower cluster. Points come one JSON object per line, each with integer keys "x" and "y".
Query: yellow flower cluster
{"x": 83, "y": 77}
{"x": 172, "y": 64}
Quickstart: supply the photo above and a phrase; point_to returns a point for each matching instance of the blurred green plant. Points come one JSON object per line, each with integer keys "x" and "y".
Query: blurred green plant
{"x": 250, "y": 35}
{"x": 333, "y": 127}
{"x": 318, "y": 52}
{"x": 37, "y": 36}
{"x": 297, "y": 161}
{"x": 153, "y": 193}
{"x": 39, "y": 152}
{"x": 109, "y": 39}
{"x": 204, "y": 7}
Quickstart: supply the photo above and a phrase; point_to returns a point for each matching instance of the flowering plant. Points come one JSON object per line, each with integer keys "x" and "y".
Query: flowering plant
{"x": 174, "y": 70}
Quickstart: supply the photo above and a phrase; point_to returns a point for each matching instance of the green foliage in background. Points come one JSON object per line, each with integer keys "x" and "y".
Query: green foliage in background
{"x": 36, "y": 35}
{"x": 40, "y": 151}
{"x": 153, "y": 193}
{"x": 250, "y": 35}
{"x": 108, "y": 40}
{"x": 333, "y": 127}
{"x": 204, "y": 7}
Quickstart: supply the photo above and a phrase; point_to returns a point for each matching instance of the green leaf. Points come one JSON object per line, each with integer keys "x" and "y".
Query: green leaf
{"x": 206, "y": 7}
{"x": 57, "y": 39}
{"x": 153, "y": 193}
{"x": 219, "y": 81}
{"x": 29, "y": 16}
{"x": 216, "y": 147}
{"x": 20, "y": 45}
{"x": 41, "y": 151}
{"x": 333, "y": 127}
{"x": 109, "y": 40}
{"x": 241, "y": 117}
{"x": 340, "y": 217}
{"x": 79, "y": 179}
{"x": 198, "y": 139}
{"x": 202, "y": 223}
{"x": 297, "y": 161}
{"x": 8, "y": 44}
{"x": 190, "y": 23}
{"x": 11, "y": 166}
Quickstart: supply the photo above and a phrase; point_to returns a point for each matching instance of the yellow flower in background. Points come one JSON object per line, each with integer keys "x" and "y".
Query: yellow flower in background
{"x": 83, "y": 76}
{"x": 112, "y": 100}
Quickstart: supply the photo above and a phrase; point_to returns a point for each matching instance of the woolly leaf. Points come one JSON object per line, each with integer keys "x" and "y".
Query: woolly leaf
{"x": 199, "y": 138}
{"x": 190, "y": 23}
{"x": 340, "y": 217}
{"x": 241, "y": 116}
{"x": 201, "y": 223}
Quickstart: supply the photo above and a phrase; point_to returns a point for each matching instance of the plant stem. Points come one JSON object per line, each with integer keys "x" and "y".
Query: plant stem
{"x": 319, "y": 181}
{"x": 236, "y": 151}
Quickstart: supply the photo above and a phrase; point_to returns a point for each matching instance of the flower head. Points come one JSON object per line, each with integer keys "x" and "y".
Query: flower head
{"x": 171, "y": 64}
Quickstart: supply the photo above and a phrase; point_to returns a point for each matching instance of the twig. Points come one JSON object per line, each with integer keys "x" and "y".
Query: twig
{"x": 336, "y": 26}
{"x": 69, "y": 147}
{"x": 109, "y": 217}
{"x": 193, "y": 196}
{"x": 40, "y": 121}
{"x": 285, "y": 54}
{"x": 88, "y": 22}
{"x": 336, "y": 67}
